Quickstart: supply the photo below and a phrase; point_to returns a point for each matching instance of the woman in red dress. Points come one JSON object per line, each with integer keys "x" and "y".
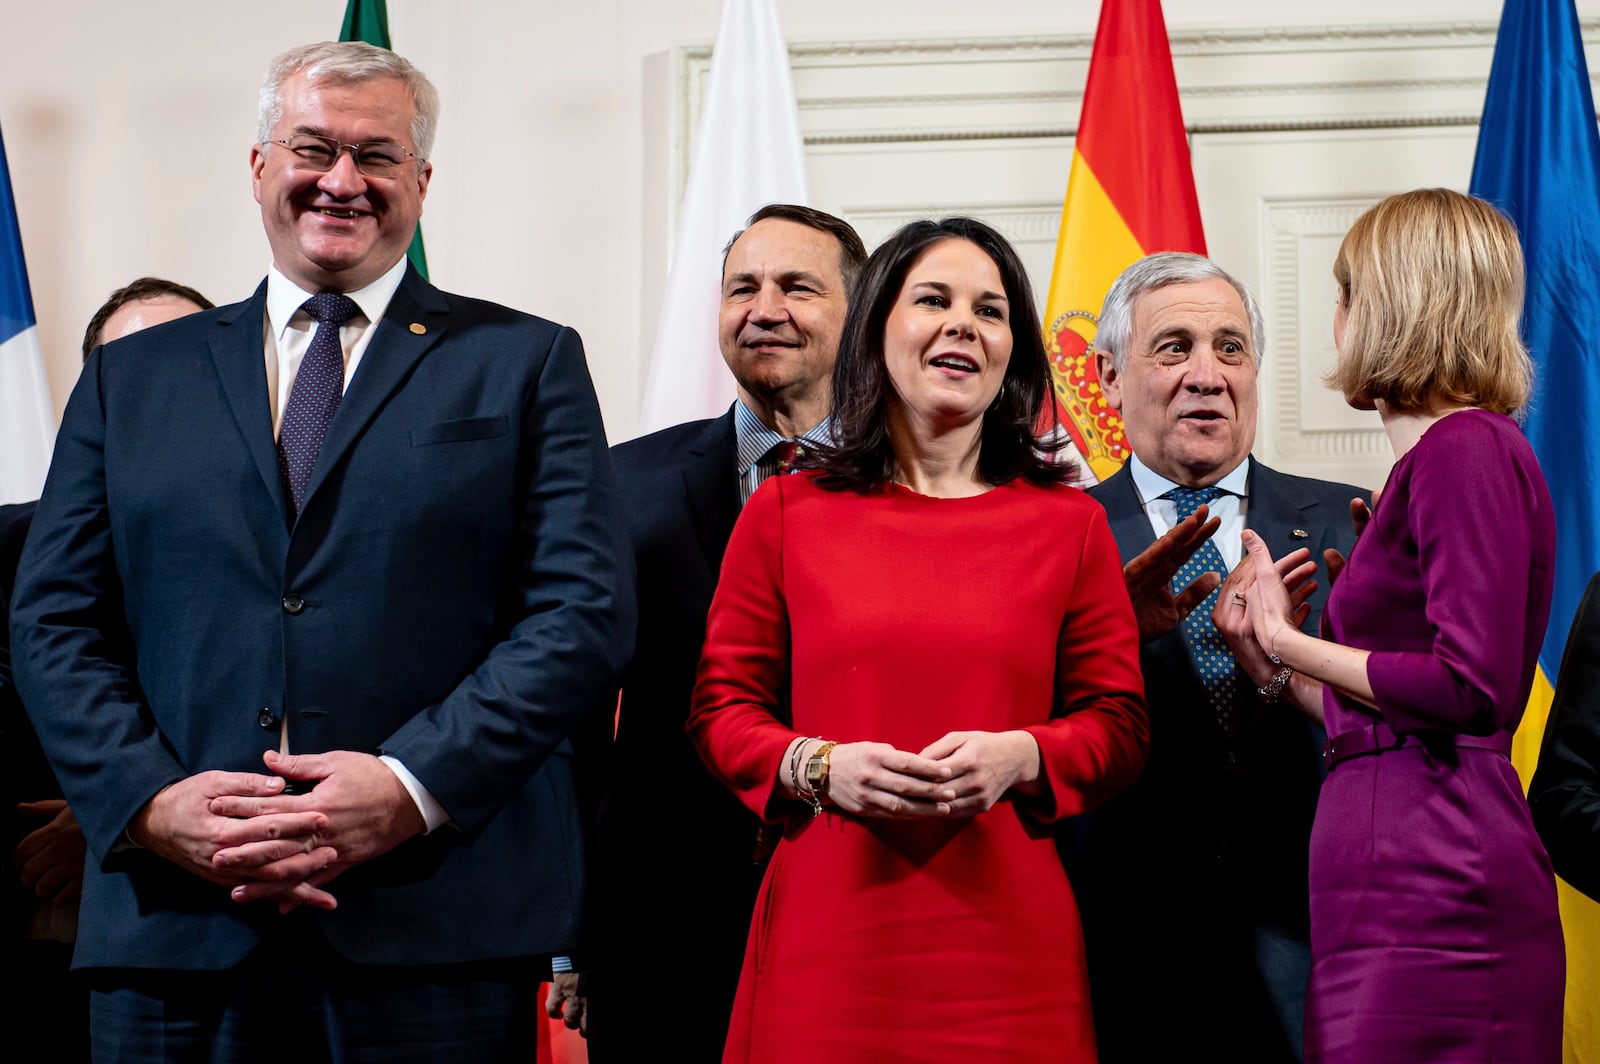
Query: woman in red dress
{"x": 919, "y": 655}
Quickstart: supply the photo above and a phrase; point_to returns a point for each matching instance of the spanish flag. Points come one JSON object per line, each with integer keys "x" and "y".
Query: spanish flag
{"x": 1130, "y": 192}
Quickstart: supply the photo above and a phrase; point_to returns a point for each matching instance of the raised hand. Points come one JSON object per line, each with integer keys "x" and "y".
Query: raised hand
{"x": 1231, "y": 615}
{"x": 1360, "y": 517}
{"x": 1149, "y": 574}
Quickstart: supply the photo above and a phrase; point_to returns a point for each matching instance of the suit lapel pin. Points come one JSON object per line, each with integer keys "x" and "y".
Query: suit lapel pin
{"x": 418, "y": 328}
{"x": 1300, "y": 533}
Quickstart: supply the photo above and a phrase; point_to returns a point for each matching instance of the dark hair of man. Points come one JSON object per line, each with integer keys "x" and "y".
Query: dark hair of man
{"x": 143, "y": 288}
{"x": 852, "y": 252}
{"x": 862, "y": 457}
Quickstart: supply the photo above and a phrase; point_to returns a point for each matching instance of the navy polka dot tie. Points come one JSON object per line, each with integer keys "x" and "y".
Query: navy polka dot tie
{"x": 318, "y": 387}
{"x": 1212, "y": 657}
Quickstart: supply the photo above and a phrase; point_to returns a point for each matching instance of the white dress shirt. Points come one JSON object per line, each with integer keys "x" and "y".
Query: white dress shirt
{"x": 287, "y": 333}
{"x": 1230, "y": 506}
{"x": 753, "y": 439}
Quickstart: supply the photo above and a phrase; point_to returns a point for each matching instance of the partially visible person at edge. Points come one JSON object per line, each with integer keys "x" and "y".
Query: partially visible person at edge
{"x": 1565, "y": 793}
{"x": 1434, "y": 928}
{"x": 139, "y": 305}
{"x": 46, "y": 847}
{"x": 919, "y": 655}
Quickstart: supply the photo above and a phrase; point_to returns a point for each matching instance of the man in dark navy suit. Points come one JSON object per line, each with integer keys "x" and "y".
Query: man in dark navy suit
{"x": 1193, "y": 884}
{"x": 318, "y": 586}
{"x": 678, "y": 861}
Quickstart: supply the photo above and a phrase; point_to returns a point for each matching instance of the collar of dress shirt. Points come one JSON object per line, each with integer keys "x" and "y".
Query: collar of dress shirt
{"x": 754, "y": 439}
{"x": 1153, "y": 485}
{"x": 285, "y": 298}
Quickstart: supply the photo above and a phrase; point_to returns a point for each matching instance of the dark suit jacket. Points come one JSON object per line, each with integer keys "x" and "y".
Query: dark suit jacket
{"x": 1214, "y": 838}
{"x": 454, "y": 593}
{"x": 1565, "y": 794}
{"x": 675, "y": 876}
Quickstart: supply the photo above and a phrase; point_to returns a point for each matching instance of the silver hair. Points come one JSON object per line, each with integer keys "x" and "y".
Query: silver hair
{"x": 344, "y": 63}
{"x": 1115, "y": 332}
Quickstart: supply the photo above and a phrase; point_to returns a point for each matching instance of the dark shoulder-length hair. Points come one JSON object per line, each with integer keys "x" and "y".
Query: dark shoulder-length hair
{"x": 1012, "y": 445}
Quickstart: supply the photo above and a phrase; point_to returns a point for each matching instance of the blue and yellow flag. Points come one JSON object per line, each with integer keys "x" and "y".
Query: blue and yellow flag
{"x": 1539, "y": 161}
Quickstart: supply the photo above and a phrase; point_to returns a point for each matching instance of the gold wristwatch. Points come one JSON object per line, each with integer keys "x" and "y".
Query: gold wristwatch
{"x": 817, "y": 771}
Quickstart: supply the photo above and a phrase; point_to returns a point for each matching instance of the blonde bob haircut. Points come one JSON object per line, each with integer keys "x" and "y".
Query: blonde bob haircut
{"x": 1431, "y": 282}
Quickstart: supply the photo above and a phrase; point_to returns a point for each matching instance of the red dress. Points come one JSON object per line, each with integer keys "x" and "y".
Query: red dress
{"x": 896, "y": 617}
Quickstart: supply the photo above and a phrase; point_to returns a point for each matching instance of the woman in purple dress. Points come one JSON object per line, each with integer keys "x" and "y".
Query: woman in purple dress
{"x": 1434, "y": 929}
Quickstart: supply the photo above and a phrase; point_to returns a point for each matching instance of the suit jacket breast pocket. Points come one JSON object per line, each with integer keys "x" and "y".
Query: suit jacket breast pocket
{"x": 461, "y": 430}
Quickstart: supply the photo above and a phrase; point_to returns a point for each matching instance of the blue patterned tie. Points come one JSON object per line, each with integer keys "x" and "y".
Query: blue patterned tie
{"x": 1212, "y": 657}
{"x": 318, "y": 387}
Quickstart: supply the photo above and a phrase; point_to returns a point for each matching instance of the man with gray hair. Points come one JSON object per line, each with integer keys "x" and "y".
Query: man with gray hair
{"x": 317, "y": 588}
{"x": 1192, "y": 885}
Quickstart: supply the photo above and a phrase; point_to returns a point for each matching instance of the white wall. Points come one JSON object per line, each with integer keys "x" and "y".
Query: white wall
{"x": 128, "y": 128}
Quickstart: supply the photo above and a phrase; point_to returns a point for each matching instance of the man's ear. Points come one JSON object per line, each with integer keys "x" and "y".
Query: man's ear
{"x": 1110, "y": 380}
{"x": 258, "y": 160}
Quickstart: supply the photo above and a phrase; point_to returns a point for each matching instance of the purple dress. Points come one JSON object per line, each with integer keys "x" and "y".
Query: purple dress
{"x": 1434, "y": 929}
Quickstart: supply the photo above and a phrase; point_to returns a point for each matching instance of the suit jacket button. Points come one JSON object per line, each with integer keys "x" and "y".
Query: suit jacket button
{"x": 266, "y": 718}
{"x": 293, "y": 603}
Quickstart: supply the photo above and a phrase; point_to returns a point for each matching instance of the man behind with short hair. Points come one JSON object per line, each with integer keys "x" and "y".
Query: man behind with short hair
{"x": 1193, "y": 884}
{"x": 319, "y": 584}
{"x": 139, "y": 305}
{"x": 46, "y": 849}
{"x": 678, "y": 862}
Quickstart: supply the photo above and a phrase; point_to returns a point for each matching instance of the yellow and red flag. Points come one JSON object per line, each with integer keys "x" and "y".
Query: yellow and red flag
{"x": 1130, "y": 193}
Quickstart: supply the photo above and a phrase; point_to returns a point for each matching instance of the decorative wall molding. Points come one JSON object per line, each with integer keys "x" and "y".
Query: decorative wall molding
{"x": 1294, "y": 387}
{"x": 1237, "y": 80}
{"x": 1023, "y": 223}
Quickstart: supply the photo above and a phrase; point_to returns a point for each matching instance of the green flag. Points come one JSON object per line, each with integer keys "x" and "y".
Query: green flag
{"x": 368, "y": 20}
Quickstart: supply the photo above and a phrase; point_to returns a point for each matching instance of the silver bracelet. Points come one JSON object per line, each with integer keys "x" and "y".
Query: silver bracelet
{"x": 1272, "y": 690}
{"x": 794, "y": 768}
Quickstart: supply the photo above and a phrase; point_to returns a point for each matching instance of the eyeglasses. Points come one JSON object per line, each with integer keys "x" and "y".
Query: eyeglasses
{"x": 321, "y": 154}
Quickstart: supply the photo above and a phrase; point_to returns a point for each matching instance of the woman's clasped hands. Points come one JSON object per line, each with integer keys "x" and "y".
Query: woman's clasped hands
{"x": 963, "y": 773}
